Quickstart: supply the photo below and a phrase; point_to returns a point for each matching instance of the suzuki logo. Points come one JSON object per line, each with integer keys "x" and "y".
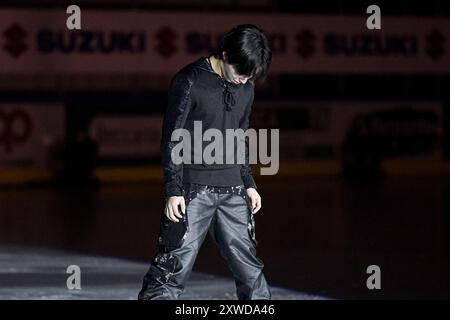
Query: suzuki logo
{"x": 15, "y": 40}
{"x": 435, "y": 45}
{"x": 15, "y": 128}
{"x": 306, "y": 43}
{"x": 165, "y": 39}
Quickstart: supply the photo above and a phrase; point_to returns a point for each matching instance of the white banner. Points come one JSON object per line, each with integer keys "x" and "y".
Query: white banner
{"x": 326, "y": 129}
{"x": 38, "y": 41}
{"x": 127, "y": 136}
{"x": 30, "y": 133}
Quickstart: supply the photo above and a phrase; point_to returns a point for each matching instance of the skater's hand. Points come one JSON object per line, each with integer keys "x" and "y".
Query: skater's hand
{"x": 255, "y": 199}
{"x": 171, "y": 210}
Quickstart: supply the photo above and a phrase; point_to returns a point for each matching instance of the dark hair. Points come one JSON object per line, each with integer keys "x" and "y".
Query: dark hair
{"x": 247, "y": 49}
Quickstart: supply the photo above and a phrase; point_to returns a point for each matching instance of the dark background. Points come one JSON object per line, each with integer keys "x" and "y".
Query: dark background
{"x": 318, "y": 230}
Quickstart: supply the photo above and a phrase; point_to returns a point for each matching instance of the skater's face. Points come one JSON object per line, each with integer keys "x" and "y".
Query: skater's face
{"x": 231, "y": 75}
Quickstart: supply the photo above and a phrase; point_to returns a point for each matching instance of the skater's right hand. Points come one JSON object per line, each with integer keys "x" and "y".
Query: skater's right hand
{"x": 171, "y": 210}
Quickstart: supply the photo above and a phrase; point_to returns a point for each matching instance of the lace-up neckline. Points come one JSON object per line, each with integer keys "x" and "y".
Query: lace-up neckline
{"x": 228, "y": 95}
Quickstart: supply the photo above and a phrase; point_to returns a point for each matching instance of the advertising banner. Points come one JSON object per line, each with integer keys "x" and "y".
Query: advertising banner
{"x": 333, "y": 130}
{"x": 130, "y": 42}
{"x": 30, "y": 133}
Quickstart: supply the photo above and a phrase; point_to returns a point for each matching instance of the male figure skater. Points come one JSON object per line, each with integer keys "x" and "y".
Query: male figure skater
{"x": 220, "y": 198}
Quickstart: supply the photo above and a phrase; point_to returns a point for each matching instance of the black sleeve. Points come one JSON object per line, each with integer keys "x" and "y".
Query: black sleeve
{"x": 246, "y": 170}
{"x": 179, "y": 103}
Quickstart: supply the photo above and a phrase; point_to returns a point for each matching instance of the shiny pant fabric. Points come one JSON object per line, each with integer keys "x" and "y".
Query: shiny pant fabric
{"x": 225, "y": 214}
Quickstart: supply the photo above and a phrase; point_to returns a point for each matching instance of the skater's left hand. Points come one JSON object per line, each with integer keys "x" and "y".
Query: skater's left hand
{"x": 255, "y": 199}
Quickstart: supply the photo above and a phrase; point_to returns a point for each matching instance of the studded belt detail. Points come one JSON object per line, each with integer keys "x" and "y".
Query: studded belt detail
{"x": 191, "y": 190}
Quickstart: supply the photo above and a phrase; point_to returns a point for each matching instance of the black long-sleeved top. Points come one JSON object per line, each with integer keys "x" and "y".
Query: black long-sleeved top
{"x": 198, "y": 93}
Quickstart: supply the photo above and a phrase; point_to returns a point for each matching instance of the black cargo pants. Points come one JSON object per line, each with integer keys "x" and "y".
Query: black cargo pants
{"x": 225, "y": 213}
